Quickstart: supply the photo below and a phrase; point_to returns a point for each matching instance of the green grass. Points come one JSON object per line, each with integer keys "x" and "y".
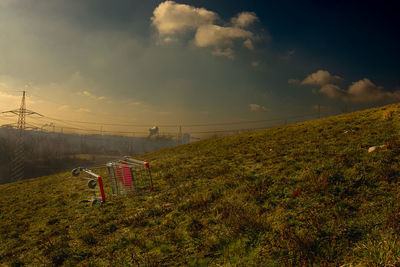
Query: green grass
{"x": 303, "y": 194}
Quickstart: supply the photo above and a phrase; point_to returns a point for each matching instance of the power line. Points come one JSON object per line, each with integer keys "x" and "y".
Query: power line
{"x": 75, "y": 127}
{"x": 186, "y": 125}
{"x": 78, "y": 128}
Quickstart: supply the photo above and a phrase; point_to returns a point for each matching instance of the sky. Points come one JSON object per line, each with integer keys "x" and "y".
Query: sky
{"x": 197, "y": 62}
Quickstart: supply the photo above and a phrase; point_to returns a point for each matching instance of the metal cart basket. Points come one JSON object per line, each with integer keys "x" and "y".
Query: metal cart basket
{"x": 129, "y": 176}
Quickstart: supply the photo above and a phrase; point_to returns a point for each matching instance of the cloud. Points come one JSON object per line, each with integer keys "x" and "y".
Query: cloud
{"x": 90, "y": 95}
{"x": 214, "y": 35}
{"x": 363, "y": 91}
{"x": 244, "y": 19}
{"x": 172, "y": 20}
{"x": 320, "y": 78}
{"x": 132, "y": 102}
{"x": 169, "y": 40}
{"x": 333, "y": 91}
{"x": 63, "y": 107}
{"x": 249, "y": 44}
{"x": 256, "y": 107}
{"x": 86, "y": 93}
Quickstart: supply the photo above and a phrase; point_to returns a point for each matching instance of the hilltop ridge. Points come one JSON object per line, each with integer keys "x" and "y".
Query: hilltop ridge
{"x": 302, "y": 194}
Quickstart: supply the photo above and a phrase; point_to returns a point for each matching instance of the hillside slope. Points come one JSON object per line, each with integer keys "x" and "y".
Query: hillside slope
{"x": 302, "y": 194}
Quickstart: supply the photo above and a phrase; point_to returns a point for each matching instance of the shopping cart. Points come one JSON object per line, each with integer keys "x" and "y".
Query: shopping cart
{"x": 129, "y": 176}
{"x": 93, "y": 181}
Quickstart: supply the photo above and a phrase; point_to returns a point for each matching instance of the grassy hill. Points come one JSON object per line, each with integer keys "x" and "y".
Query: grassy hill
{"x": 303, "y": 194}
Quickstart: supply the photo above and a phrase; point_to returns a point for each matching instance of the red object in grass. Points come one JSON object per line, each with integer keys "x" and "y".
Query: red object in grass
{"x": 103, "y": 196}
{"x": 296, "y": 193}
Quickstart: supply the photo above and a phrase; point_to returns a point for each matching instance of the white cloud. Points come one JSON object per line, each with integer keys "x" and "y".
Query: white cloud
{"x": 214, "y": 35}
{"x": 320, "y": 78}
{"x": 362, "y": 91}
{"x": 256, "y": 107}
{"x": 86, "y": 93}
{"x": 249, "y": 44}
{"x": 333, "y": 91}
{"x": 172, "y": 20}
{"x": 63, "y": 107}
{"x": 90, "y": 95}
{"x": 366, "y": 92}
{"x": 169, "y": 40}
{"x": 244, "y": 19}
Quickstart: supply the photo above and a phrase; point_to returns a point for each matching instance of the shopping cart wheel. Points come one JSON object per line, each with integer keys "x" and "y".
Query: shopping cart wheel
{"x": 96, "y": 202}
{"x": 76, "y": 171}
{"x": 92, "y": 183}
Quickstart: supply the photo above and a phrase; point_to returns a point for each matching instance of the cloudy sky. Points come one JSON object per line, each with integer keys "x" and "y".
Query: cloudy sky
{"x": 185, "y": 62}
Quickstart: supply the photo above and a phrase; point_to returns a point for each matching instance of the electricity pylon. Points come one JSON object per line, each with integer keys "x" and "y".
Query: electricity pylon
{"x": 18, "y": 161}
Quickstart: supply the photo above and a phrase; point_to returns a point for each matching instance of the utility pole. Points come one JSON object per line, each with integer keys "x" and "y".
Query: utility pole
{"x": 180, "y": 135}
{"x": 18, "y": 161}
{"x": 102, "y": 140}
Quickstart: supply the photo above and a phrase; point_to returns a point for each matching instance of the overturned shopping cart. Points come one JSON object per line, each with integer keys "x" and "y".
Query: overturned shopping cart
{"x": 129, "y": 176}
{"x": 126, "y": 176}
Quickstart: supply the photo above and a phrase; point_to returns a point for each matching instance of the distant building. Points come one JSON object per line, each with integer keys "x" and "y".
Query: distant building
{"x": 153, "y": 131}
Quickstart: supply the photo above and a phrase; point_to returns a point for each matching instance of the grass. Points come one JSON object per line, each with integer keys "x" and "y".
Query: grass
{"x": 304, "y": 194}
